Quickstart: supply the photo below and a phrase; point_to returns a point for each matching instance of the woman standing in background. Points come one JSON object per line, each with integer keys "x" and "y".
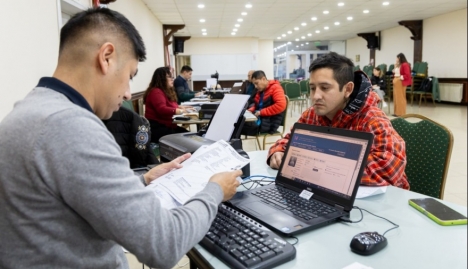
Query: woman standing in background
{"x": 401, "y": 80}
{"x": 161, "y": 104}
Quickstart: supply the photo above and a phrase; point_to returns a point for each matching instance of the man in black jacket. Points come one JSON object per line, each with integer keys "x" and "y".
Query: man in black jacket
{"x": 132, "y": 133}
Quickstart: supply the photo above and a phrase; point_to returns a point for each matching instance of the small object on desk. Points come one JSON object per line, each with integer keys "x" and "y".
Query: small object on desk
{"x": 181, "y": 118}
{"x": 368, "y": 243}
{"x": 366, "y": 191}
{"x": 438, "y": 212}
{"x": 356, "y": 265}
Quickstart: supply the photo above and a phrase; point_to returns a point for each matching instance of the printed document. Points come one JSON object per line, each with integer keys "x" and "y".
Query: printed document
{"x": 178, "y": 186}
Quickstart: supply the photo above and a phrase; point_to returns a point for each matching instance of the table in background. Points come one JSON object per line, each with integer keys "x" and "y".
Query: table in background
{"x": 249, "y": 117}
{"x": 418, "y": 243}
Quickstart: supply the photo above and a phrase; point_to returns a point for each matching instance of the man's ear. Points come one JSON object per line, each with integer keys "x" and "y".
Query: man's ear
{"x": 348, "y": 88}
{"x": 106, "y": 57}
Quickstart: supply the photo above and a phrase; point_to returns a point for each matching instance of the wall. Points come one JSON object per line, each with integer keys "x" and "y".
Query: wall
{"x": 358, "y": 46}
{"x": 261, "y": 51}
{"x": 265, "y": 57}
{"x": 445, "y": 44}
{"x": 337, "y": 46}
{"x": 151, "y": 31}
{"x": 393, "y": 41}
{"x": 29, "y": 47}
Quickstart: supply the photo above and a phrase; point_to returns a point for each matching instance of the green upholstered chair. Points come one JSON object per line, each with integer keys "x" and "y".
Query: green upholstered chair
{"x": 428, "y": 150}
{"x": 391, "y": 67}
{"x": 305, "y": 88}
{"x": 293, "y": 91}
{"x": 383, "y": 68}
{"x": 283, "y": 85}
{"x": 129, "y": 105}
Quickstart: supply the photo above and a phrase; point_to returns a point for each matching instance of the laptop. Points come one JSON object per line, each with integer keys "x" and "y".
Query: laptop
{"x": 236, "y": 88}
{"x": 316, "y": 183}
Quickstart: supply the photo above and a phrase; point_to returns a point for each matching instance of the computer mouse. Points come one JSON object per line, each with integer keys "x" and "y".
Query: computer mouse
{"x": 368, "y": 243}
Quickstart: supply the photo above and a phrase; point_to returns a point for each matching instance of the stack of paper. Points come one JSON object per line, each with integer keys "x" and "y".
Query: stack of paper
{"x": 178, "y": 186}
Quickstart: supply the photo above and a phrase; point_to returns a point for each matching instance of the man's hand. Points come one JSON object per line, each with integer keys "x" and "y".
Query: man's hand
{"x": 228, "y": 182}
{"x": 198, "y": 94}
{"x": 165, "y": 168}
{"x": 257, "y": 113}
{"x": 275, "y": 160}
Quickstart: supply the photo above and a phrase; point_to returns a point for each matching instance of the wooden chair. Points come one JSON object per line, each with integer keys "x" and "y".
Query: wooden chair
{"x": 428, "y": 150}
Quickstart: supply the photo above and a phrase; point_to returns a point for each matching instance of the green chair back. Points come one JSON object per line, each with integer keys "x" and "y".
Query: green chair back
{"x": 129, "y": 105}
{"x": 391, "y": 67}
{"x": 428, "y": 150}
{"x": 356, "y": 68}
{"x": 304, "y": 84}
{"x": 293, "y": 90}
{"x": 416, "y": 67}
{"x": 422, "y": 69}
{"x": 383, "y": 68}
{"x": 283, "y": 85}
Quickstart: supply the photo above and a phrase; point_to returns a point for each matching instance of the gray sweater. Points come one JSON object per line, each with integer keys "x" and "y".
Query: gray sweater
{"x": 68, "y": 198}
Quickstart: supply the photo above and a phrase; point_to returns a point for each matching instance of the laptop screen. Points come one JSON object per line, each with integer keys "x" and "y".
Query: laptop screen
{"x": 324, "y": 161}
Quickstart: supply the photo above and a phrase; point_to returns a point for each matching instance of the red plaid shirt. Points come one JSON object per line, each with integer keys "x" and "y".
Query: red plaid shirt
{"x": 387, "y": 157}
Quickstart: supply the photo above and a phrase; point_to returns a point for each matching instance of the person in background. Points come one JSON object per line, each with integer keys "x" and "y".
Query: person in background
{"x": 401, "y": 80}
{"x": 133, "y": 134}
{"x": 378, "y": 84}
{"x": 269, "y": 106}
{"x": 67, "y": 196}
{"x": 343, "y": 99}
{"x": 161, "y": 104}
{"x": 249, "y": 88}
{"x": 181, "y": 86}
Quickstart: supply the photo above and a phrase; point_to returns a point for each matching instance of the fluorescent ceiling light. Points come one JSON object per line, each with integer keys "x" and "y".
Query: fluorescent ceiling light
{"x": 279, "y": 37}
{"x": 318, "y": 31}
{"x": 366, "y": 11}
{"x": 326, "y": 12}
{"x": 204, "y": 33}
{"x": 340, "y": 4}
{"x": 234, "y": 30}
{"x": 236, "y": 25}
{"x": 283, "y": 35}
{"x": 201, "y": 6}
{"x": 303, "y": 37}
{"x": 202, "y": 20}
{"x": 296, "y": 28}
{"x": 337, "y": 23}
{"x": 289, "y": 42}
{"x": 309, "y": 34}
{"x": 289, "y": 32}
{"x": 233, "y": 33}
{"x": 385, "y": 3}
{"x": 314, "y": 18}
{"x": 248, "y": 6}
{"x": 240, "y": 20}
{"x": 297, "y": 39}
{"x": 203, "y": 30}
{"x": 326, "y": 28}
{"x": 244, "y": 13}
{"x": 303, "y": 24}
{"x": 349, "y": 18}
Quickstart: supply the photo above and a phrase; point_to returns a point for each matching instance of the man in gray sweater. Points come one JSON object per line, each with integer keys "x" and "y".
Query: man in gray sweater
{"x": 67, "y": 196}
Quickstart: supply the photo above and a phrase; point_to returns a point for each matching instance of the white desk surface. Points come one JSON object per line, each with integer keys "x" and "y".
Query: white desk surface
{"x": 418, "y": 243}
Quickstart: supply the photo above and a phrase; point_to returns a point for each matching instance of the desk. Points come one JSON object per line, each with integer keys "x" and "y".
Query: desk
{"x": 247, "y": 114}
{"x": 418, "y": 243}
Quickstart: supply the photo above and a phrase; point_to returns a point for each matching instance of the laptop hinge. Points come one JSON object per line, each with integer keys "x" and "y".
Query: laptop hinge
{"x": 339, "y": 207}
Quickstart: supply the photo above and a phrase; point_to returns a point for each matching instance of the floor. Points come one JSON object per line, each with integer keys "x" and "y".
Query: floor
{"x": 452, "y": 116}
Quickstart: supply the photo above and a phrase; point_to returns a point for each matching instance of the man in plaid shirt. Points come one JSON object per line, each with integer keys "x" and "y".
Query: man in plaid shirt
{"x": 345, "y": 100}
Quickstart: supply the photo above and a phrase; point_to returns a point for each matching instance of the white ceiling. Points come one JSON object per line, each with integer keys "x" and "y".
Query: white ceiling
{"x": 270, "y": 19}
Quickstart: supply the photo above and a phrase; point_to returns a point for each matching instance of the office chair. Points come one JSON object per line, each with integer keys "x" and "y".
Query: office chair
{"x": 428, "y": 150}
{"x": 293, "y": 91}
{"x": 283, "y": 125}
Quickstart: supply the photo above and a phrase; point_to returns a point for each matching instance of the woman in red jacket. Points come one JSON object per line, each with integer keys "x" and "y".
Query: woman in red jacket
{"x": 401, "y": 80}
{"x": 161, "y": 104}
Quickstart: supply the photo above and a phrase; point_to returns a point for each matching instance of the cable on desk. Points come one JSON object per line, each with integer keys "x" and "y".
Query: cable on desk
{"x": 362, "y": 216}
{"x": 292, "y": 236}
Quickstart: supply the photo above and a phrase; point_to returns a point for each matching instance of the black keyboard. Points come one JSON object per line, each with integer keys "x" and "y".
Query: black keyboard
{"x": 291, "y": 201}
{"x": 241, "y": 242}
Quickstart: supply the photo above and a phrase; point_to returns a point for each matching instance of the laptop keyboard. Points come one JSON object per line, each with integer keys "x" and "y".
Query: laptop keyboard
{"x": 291, "y": 201}
{"x": 241, "y": 242}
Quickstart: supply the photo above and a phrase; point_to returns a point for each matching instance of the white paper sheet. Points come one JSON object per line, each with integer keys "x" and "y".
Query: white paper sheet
{"x": 365, "y": 191}
{"x": 356, "y": 265}
{"x": 182, "y": 184}
{"x": 237, "y": 84}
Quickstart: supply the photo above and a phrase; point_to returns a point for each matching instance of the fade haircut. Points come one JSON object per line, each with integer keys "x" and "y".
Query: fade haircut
{"x": 102, "y": 21}
{"x": 342, "y": 67}
{"x": 186, "y": 68}
{"x": 258, "y": 75}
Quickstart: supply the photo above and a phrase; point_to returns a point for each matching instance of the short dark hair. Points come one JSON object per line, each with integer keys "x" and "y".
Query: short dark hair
{"x": 342, "y": 67}
{"x": 186, "y": 68}
{"x": 258, "y": 74}
{"x": 102, "y": 20}
{"x": 402, "y": 58}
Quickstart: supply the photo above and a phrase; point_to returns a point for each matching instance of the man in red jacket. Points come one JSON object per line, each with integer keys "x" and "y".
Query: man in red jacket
{"x": 269, "y": 105}
{"x": 345, "y": 100}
